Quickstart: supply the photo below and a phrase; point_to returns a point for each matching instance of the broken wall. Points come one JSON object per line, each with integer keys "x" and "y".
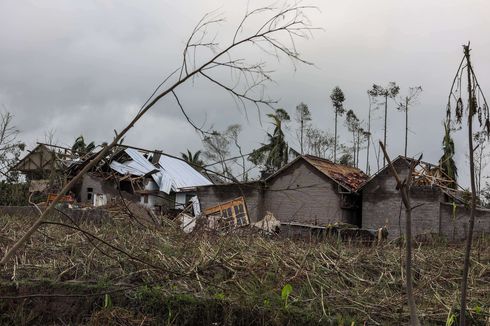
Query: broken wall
{"x": 252, "y": 192}
{"x": 92, "y": 185}
{"x": 382, "y": 205}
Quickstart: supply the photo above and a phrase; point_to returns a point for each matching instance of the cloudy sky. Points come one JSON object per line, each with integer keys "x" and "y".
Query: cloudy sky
{"x": 85, "y": 67}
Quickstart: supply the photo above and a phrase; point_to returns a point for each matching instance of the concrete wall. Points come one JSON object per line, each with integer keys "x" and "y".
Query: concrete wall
{"x": 252, "y": 192}
{"x": 381, "y": 203}
{"x": 303, "y": 194}
{"x": 455, "y": 226}
{"x": 98, "y": 186}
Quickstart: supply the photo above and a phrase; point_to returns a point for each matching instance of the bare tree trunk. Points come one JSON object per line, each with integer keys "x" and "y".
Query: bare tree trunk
{"x": 469, "y": 238}
{"x": 301, "y": 136}
{"x": 335, "y": 140}
{"x": 369, "y": 137}
{"x": 406, "y": 125}
{"x": 354, "y": 148}
{"x": 386, "y": 118}
{"x": 408, "y": 259}
{"x": 404, "y": 188}
{"x": 358, "y": 148}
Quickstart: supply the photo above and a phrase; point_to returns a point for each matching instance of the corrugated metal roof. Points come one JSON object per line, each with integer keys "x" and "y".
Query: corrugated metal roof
{"x": 182, "y": 174}
{"x": 350, "y": 177}
{"x": 173, "y": 174}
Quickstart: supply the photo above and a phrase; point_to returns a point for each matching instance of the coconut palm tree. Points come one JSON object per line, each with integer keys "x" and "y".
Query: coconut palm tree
{"x": 193, "y": 159}
{"x": 274, "y": 154}
{"x": 81, "y": 148}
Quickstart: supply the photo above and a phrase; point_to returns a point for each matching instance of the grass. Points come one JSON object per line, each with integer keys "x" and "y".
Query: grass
{"x": 204, "y": 278}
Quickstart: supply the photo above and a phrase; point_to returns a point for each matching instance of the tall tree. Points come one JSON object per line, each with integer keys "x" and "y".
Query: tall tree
{"x": 403, "y": 105}
{"x": 362, "y": 136}
{"x": 476, "y": 107}
{"x": 303, "y": 116}
{"x": 274, "y": 154}
{"x": 233, "y": 132}
{"x": 368, "y": 132}
{"x": 338, "y": 98}
{"x": 353, "y": 125}
{"x": 319, "y": 143}
{"x": 446, "y": 162}
{"x": 217, "y": 149}
{"x": 390, "y": 91}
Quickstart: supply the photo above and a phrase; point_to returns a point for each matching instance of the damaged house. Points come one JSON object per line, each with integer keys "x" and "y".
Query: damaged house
{"x": 161, "y": 181}
{"x": 307, "y": 191}
{"x": 154, "y": 179}
{"x": 438, "y": 207}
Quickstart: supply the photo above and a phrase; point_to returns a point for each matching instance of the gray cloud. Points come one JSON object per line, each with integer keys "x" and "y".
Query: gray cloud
{"x": 85, "y": 67}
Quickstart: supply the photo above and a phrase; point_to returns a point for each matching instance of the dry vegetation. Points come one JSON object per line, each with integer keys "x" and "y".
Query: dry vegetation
{"x": 167, "y": 277}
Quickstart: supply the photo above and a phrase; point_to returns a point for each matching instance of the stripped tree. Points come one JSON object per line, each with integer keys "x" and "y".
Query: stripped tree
{"x": 390, "y": 91}
{"x": 338, "y": 99}
{"x": 353, "y": 125}
{"x": 275, "y": 36}
{"x": 404, "y": 103}
{"x": 302, "y": 117}
{"x": 476, "y": 107}
{"x": 368, "y": 132}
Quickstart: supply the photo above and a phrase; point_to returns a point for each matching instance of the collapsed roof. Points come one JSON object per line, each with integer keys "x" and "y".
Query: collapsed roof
{"x": 169, "y": 173}
{"x": 349, "y": 177}
{"x": 429, "y": 175}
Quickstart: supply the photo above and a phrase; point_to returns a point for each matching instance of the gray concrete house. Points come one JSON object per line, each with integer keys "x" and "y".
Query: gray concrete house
{"x": 439, "y": 209}
{"x": 309, "y": 190}
{"x": 315, "y": 191}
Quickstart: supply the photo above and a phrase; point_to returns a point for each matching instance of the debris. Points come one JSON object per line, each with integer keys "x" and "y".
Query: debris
{"x": 64, "y": 199}
{"x": 187, "y": 222}
{"x": 269, "y": 223}
{"x": 228, "y": 215}
{"x": 100, "y": 200}
{"x": 38, "y": 185}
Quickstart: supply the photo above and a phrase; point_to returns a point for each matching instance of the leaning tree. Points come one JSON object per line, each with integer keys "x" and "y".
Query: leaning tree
{"x": 474, "y": 109}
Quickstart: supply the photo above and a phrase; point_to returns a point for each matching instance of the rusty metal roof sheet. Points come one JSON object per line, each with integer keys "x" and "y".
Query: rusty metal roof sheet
{"x": 349, "y": 177}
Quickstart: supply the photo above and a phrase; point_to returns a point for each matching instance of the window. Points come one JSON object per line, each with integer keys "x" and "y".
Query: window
{"x": 232, "y": 213}
{"x": 90, "y": 192}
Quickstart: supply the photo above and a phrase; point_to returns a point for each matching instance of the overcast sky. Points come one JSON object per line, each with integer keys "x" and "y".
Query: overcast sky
{"x": 85, "y": 67}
